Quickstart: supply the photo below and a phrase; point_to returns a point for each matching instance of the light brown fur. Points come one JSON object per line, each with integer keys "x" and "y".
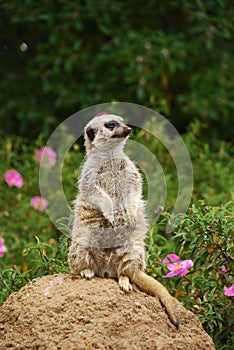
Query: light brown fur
{"x": 109, "y": 225}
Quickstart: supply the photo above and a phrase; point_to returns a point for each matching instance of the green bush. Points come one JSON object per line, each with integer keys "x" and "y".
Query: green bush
{"x": 45, "y": 258}
{"x": 204, "y": 235}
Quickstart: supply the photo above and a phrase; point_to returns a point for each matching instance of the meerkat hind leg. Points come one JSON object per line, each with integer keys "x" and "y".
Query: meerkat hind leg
{"x": 125, "y": 284}
{"x": 87, "y": 273}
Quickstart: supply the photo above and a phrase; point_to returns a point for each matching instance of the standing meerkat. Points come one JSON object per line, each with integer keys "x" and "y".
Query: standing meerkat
{"x": 109, "y": 224}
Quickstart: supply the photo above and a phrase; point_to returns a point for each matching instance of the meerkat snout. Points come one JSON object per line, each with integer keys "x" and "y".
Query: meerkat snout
{"x": 122, "y": 132}
{"x": 128, "y": 130}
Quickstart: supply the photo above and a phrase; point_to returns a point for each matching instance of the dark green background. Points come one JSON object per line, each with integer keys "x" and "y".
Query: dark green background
{"x": 175, "y": 57}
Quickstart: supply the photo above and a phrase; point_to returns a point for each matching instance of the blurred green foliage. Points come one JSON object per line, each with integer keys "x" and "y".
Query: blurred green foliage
{"x": 58, "y": 57}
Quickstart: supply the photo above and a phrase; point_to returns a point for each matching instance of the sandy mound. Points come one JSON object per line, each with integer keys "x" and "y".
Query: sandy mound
{"x": 56, "y": 312}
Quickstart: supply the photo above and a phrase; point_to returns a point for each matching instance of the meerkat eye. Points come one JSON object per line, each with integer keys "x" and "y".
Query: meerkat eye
{"x": 111, "y": 124}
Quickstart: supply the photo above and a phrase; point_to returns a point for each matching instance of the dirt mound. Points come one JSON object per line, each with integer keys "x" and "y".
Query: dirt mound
{"x": 56, "y": 312}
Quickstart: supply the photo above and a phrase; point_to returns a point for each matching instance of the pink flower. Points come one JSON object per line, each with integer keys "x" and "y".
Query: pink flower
{"x": 172, "y": 257}
{"x": 224, "y": 269}
{"x": 101, "y": 114}
{"x": 13, "y": 178}
{"x": 147, "y": 137}
{"x": 179, "y": 268}
{"x": 39, "y": 203}
{"x": 46, "y": 156}
{"x": 229, "y": 292}
{"x": 3, "y": 248}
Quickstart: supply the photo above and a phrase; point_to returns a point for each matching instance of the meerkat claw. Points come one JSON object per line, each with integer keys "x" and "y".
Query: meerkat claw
{"x": 87, "y": 273}
{"x": 124, "y": 284}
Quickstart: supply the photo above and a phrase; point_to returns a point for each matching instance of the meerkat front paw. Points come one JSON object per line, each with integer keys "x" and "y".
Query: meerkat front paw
{"x": 130, "y": 219}
{"x": 87, "y": 273}
{"x": 109, "y": 215}
{"x": 124, "y": 283}
{"x": 123, "y": 218}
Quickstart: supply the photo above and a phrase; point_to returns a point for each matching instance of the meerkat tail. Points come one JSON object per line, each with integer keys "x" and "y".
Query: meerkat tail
{"x": 152, "y": 287}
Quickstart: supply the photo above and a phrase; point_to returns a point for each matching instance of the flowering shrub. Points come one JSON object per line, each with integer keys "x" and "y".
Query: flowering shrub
{"x": 204, "y": 238}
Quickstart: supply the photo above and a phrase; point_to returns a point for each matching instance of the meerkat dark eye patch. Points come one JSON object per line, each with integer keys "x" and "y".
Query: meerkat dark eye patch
{"x": 111, "y": 124}
{"x": 90, "y": 133}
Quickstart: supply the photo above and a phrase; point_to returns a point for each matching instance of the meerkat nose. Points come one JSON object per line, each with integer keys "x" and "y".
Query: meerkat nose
{"x": 129, "y": 130}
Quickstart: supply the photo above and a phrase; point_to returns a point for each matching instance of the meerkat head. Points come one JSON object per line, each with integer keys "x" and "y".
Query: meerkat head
{"x": 106, "y": 132}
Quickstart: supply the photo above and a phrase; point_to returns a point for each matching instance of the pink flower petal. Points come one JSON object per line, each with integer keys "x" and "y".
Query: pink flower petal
{"x": 183, "y": 272}
{"x": 179, "y": 268}
{"x": 186, "y": 263}
{"x": 39, "y": 203}
{"x": 229, "y": 292}
{"x": 174, "y": 266}
{"x": 173, "y": 273}
{"x": 45, "y": 156}
{"x": 14, "y": 178}
{"x": 173, "y": 257}
{"x": 101, "y": 114}
{"x": 3, "y": 248}
{"x": 224, "y": 269}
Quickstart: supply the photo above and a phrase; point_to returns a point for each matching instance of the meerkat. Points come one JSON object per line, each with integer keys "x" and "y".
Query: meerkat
{"x": 110, "y": 225}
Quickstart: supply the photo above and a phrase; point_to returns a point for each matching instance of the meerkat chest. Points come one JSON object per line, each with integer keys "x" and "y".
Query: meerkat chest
{"x": 115, "y": 177}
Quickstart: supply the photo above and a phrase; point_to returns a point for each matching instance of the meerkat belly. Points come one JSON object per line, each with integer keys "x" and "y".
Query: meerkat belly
{"x": 97, "y": 232}
{"x": 105, "y": 262}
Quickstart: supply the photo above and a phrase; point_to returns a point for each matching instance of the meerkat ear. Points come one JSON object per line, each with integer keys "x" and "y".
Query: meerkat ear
{"x": 90, "y": 133}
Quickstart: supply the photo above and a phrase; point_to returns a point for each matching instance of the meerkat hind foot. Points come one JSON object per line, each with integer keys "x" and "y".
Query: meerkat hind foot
{"x": 124, "y": 284}
{"x": 87, "y": 273}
